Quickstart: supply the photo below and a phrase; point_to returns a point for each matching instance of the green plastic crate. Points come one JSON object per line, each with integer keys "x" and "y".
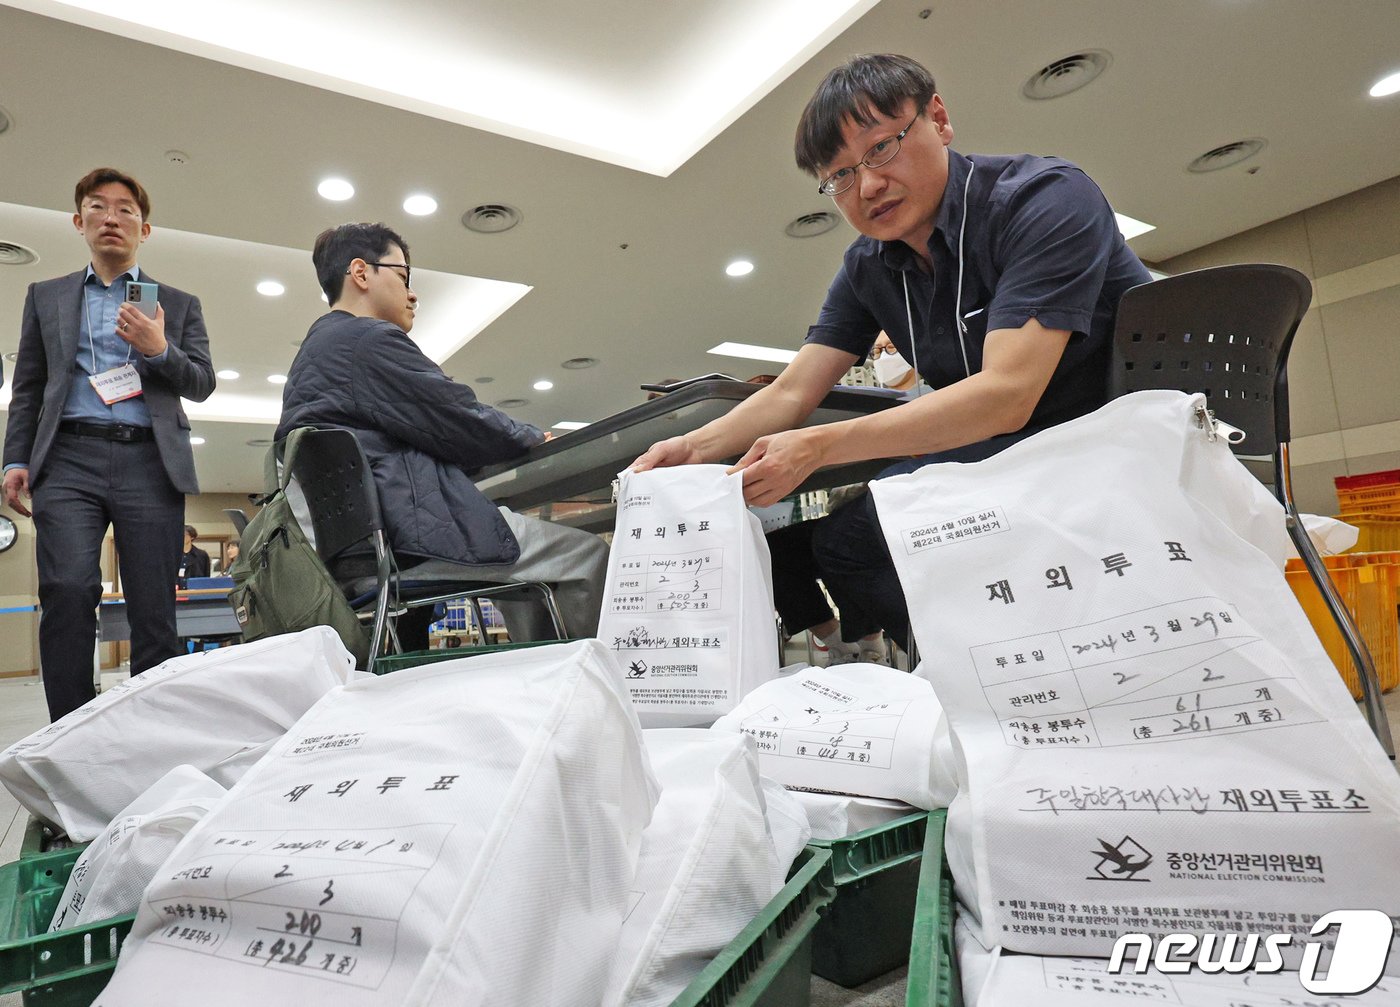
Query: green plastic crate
{"x": 866, "y": 932}
{"x": 37, "y": 839}
{"x": 41, "y": 839}
{"x": 770, "y": 963}
{"x": 68, "y": 968}
{"x": 933, "y": 960}
{"x": 398, "y": 662}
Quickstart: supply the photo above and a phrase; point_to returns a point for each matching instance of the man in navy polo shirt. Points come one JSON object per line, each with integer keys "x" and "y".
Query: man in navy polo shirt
{"x": 997, "y": 277}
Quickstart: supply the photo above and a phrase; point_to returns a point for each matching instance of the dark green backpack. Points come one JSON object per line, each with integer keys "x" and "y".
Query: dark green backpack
{"x": 280, "y": 583}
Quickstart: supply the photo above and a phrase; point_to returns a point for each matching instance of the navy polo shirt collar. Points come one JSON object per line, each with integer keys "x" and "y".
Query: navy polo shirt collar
{"x": 899, "y": 256}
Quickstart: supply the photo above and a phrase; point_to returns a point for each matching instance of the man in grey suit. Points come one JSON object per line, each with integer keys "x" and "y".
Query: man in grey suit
{"x": 97, "y": 436}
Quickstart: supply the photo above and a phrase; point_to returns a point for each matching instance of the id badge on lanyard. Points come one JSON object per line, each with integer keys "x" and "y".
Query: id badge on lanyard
{"x": 118, "y": 384}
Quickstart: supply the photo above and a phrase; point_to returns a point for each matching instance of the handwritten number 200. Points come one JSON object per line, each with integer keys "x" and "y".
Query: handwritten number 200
{"x": 310, "y": 923}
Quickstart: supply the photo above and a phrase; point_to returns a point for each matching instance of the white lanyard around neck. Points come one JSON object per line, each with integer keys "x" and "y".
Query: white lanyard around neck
{"x": 92, "y": 345}
{"x": 957, "y": 300}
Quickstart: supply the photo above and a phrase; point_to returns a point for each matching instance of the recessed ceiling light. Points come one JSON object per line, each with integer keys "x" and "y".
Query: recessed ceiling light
{"x": 271, "y": 288}
{"x": 260, "y": 442}
{"x": 751, "y": 352}
{"x": 739, "y": 267}
{"x": 569, "y": 425}
{"x": 420, "y": 205}
{"x": 227, "y": 375}
{"x": 1132, "y": 228}
{"x": 1386, "y": 86}
{"x": 543, "y": 385}
{"x": 335, "y": 189}
{"x": 196, "y": 440}
{"x": 277, "y": 379}
{"x": 485, "y": 379}
{"x": 579, "y": 363}
{"x": 512, "y": 403}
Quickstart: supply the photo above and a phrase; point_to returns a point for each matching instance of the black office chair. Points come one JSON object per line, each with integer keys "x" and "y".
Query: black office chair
{"x": 1226, "y": 331}
{"x": 334, "y": 477}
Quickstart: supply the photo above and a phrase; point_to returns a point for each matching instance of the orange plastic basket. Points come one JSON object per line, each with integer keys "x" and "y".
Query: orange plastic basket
{"x": 1369, "y": 585}
{"x": 1370, "y": 493}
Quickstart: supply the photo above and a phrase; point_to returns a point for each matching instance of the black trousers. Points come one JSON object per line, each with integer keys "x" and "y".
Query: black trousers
{"x": 85, "y": 485}
{"x": 799, "y": 600}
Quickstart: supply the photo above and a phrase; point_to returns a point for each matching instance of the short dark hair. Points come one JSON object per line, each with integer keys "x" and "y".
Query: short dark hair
{"x": 337, "y": 247}
{"x": 98, "y": 177}
{"x": 879, "y": 82}
{"x": 189, "y": 530}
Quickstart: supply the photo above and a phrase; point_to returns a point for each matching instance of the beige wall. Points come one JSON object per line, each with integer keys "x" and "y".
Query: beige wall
{"x": 1344, "y": 369}
{"x": 19, "y": 580}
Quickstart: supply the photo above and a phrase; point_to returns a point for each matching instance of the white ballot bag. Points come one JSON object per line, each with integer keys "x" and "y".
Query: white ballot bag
{"x": 459, "y": 833}
{"x": 860, "y": 729}
{"x": 1150, "y": 736}
{"x": 689, "y": 606}
{"x": 709, "y": 863}
{"x": 109, "y": 876}
{"x": 217, "y": 710}
{"x": 1000, "y": 979}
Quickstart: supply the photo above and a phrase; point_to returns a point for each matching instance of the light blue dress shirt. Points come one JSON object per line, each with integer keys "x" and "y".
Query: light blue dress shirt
{"x": 100, "y": 349}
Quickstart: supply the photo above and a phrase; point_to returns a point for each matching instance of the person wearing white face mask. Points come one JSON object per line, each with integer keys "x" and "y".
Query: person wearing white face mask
{"x": 891, "y": 369}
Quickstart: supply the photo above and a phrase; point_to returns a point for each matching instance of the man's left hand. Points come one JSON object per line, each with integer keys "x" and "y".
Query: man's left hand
{"x": 146, "y": 335}
{"x": 777, "y": 464}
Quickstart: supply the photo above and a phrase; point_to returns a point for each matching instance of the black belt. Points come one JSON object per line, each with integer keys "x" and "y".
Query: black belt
{"x": 123, "y": 432}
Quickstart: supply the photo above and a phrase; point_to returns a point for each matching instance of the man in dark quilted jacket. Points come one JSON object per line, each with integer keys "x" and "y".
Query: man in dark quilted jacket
{"x": 423, "y": 433}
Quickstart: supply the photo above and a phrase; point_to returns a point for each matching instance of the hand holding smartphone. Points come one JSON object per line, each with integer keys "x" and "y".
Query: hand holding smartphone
{"x": 142, "y": 296}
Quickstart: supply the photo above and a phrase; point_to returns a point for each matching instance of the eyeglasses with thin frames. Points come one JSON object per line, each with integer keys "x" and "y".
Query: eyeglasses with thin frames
{"x": 880, "y": 154}
{"x": 407, "y": 271}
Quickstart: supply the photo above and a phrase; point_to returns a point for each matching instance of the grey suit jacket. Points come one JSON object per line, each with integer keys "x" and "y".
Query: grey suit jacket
{"x": 44, "y": 369}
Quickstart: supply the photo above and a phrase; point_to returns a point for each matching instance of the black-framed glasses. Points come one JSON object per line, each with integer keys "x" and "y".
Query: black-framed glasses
{"x": 881, "y": 154}
{"x": 407, "y": 271}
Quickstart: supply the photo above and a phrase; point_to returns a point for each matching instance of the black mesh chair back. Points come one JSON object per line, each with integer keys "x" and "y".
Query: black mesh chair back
{"x": 335, "y": 478}
{"x": 1224, "y": 331}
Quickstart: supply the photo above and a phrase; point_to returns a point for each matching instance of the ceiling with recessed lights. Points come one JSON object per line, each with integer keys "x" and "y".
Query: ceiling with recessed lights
{"x": 632, "y": 151}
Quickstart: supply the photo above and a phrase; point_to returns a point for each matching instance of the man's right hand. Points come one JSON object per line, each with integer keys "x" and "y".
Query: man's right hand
{"x": 17, "y": 482}
{"x": 663, "y": 454}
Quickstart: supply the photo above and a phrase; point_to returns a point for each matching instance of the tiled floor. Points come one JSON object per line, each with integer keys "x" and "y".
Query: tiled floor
{"x": 22, "y": 711}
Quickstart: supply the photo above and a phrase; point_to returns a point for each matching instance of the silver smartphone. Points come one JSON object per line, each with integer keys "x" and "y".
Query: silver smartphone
{"x": 142, "y": 296}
